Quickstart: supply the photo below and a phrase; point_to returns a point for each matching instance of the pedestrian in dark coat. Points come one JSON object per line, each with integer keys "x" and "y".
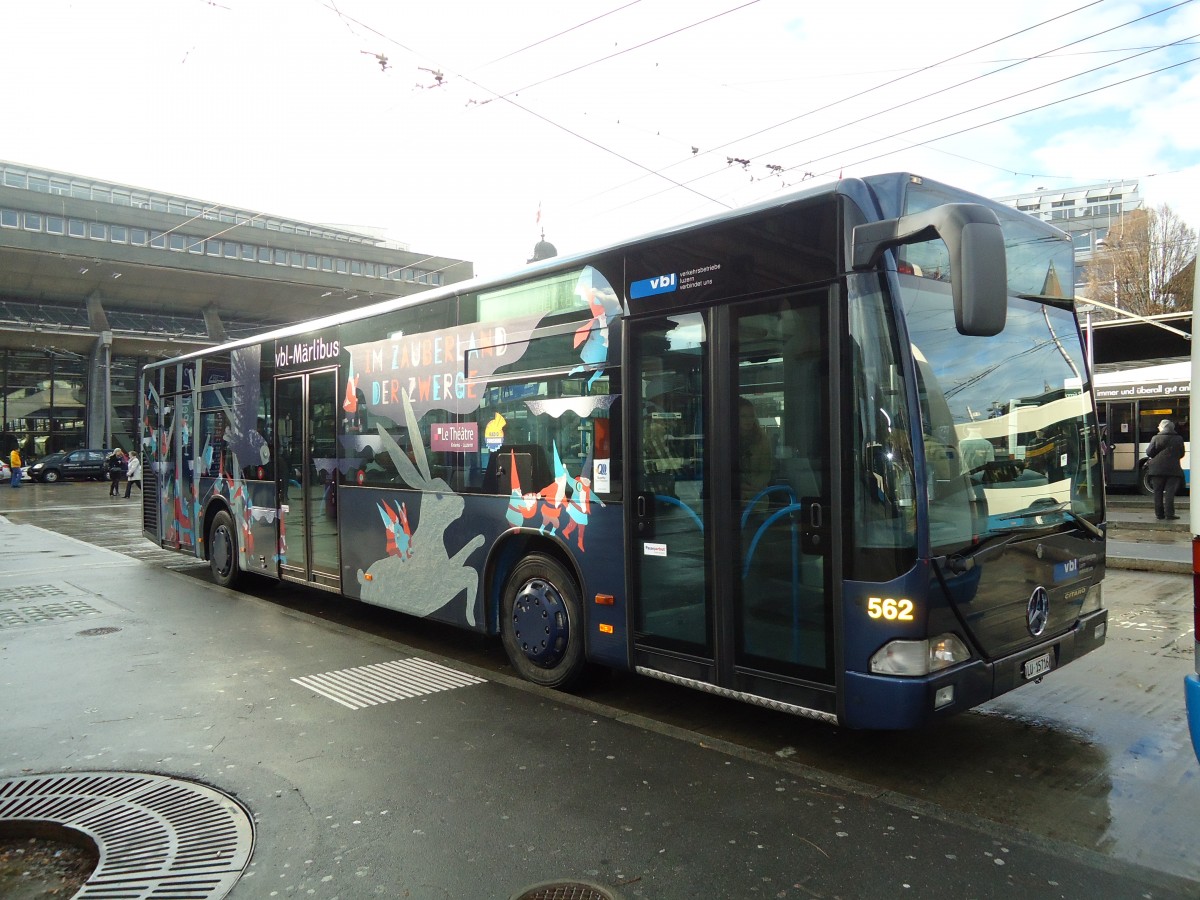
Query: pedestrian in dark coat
{"x": 1166, "y": 474}
{"x": 116, "y": 471}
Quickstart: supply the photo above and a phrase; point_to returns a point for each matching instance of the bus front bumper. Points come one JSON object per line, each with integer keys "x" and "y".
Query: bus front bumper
{"x": 887, "y": 702}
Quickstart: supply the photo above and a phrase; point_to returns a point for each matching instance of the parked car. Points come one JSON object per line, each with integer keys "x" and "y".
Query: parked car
{"x": 6, "y": 474}
{"x": 73, "y": 464}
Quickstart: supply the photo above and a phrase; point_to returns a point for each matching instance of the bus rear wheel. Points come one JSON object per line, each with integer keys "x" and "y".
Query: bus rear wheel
{"x": 223, "y": 550}
{"x": 541, "y": 622}
{"x": 1144, "y": 484}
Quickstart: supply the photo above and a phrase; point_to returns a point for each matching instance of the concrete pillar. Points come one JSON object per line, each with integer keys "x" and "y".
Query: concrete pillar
{"x": 99, "y": 406}
{"x": 212, "y": 321}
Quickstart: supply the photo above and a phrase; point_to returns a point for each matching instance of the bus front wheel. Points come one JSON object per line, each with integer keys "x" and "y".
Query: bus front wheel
{"x": 541, "y": 622}
{"x": 223, "y": 550}
{"x": 1144, "y": 485}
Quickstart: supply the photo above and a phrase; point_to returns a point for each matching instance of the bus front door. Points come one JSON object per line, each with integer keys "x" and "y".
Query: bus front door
{"x": 307, "y": 477}
{"x": 730, "y": 531}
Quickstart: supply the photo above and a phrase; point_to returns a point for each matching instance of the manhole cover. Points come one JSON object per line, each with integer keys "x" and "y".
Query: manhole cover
{"x": 95, "y": 632}
{"x": 157, "y": 836}
{"x": 565, "y": 890}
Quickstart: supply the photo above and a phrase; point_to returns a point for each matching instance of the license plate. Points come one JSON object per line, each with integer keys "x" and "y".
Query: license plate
{"x": 1038, "y": 666}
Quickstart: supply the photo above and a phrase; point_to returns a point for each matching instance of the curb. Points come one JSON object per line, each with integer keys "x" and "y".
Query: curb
{"x": 1162, "y": 566}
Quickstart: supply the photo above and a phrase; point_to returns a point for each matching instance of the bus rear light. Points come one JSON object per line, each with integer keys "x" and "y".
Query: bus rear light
{"x": 915, "y": 658}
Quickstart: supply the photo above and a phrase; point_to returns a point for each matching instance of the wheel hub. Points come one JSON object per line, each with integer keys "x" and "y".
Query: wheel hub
{"x": 540, "y": 623}
{"x": 222, "y": 550}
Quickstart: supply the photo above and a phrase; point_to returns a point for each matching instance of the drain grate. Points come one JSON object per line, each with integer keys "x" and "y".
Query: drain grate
{"x": 47, "y": 612}
{"x": 400, "y": 679}
{"x": 565, "y": 890}
{"x": 30, "y": 592}
{"x": 157, "y": 836}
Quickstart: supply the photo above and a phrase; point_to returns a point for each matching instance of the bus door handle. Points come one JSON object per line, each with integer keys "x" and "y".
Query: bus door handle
{"x": 644, "y": 520}
{"x": 812, "y": 528}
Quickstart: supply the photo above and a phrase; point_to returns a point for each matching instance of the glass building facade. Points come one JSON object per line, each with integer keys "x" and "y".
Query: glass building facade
{"x": 44, "y": 397}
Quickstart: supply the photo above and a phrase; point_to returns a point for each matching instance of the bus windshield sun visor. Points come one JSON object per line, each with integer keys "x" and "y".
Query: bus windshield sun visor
{"x": 973, "y": 236}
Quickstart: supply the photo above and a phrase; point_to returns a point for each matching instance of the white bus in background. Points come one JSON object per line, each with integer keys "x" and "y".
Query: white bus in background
{"x": 1131, "y": 399}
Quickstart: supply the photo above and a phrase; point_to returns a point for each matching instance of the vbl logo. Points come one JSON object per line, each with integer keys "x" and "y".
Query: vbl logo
{"x": 648, "y": 287}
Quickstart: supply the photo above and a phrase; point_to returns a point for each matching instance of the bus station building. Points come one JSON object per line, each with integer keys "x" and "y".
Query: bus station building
{"x": 98, "y": 278}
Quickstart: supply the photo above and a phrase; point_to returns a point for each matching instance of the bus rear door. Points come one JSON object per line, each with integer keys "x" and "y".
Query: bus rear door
{"x": 307, "y": 477}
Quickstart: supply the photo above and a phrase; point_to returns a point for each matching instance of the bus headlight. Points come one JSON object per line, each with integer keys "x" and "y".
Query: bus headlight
{"x": 919, "y": 657}
{"x": 1091, "y": 600}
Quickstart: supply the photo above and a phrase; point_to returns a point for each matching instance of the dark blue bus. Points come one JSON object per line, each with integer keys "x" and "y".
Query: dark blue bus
{"x": 817, "y": 454}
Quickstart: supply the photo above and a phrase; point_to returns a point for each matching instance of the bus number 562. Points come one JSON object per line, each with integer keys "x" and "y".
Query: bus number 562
{"x": 892, "y": 610}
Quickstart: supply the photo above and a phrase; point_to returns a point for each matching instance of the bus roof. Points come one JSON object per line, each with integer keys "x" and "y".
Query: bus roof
{"x": 882, "y": 194}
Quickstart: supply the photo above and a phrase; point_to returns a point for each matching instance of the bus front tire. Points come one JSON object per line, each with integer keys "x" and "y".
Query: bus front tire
{"x": 223, "y": 550}
{"x": 541, "y": 622}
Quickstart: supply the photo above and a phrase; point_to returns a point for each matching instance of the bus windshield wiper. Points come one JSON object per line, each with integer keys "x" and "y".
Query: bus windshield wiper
{"x": 1037, "y": 508}
{"x": 964, "y": 560}
{"x": 1067, "y": 513}
{"x": 1090, "y": 527}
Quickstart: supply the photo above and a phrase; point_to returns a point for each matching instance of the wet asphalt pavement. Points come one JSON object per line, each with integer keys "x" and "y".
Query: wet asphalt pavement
{"x": 1080, "y": 787}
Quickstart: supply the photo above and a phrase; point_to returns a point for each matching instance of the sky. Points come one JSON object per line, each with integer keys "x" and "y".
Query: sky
{"x": 465, "y": 128}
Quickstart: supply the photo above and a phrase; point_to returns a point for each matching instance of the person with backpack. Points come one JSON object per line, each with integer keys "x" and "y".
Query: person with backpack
{"x": 116, "y": 471}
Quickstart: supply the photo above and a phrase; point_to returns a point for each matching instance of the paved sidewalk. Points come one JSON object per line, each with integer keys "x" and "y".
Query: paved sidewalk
{"x": 474, "y": 791}
{"x": 1136, "y": 540}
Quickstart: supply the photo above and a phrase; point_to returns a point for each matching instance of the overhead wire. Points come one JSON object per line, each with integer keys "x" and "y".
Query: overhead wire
{"x": 544, "y": 40}
{"x": 870, "y": 90}
{"x": 952, "y": 87}
{"x": 944, "y": 118}
{"x": 509, "y": 100}
{"x": 687, "y": 185}
{"x": 630, "y": 49}
{"x": 988, "y": 104}
{"x": 1023, "y": 112}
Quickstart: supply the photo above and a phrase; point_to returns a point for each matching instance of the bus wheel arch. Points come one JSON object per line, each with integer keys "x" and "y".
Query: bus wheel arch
{"x": 221, "y": 546}
{"x": 541, "y": 614}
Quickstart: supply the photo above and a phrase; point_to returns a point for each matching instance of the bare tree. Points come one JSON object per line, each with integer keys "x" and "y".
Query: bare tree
{"x": 1140, "y": 265}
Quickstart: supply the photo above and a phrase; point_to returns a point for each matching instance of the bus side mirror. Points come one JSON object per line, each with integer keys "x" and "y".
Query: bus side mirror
{"x": 978, "y": 272}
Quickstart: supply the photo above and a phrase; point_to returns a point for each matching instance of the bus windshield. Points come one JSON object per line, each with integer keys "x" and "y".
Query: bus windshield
{"x": 1010, "y": 441}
